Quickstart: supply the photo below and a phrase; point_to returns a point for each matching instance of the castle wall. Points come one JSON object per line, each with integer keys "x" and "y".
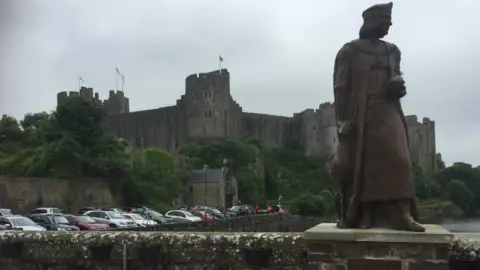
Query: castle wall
{"x": 270, "y": 130}
{"x": 146, "y": 129}
{"x": 208, "y": 111}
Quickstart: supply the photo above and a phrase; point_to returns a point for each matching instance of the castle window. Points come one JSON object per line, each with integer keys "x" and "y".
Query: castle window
{"x": 314, "y": 128}
{"x": 209, "y": 113}
{"x": 206, "y": 113}
{"x": 209, "y": 94}
{"x": 191, "y": 189}
{"x": 206, "y": 94}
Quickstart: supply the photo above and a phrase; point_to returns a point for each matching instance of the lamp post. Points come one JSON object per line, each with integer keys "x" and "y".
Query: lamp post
{"x": 205, "y": 168}
{"x": 280, "y": 187}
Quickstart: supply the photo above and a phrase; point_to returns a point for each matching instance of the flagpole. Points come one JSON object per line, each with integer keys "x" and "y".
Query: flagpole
{"x": 220, "y": 59}
{"x": 79, "y": 84}
{"x": 116, "y": 80}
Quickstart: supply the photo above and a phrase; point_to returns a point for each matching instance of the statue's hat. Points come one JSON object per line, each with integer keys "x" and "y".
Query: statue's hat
{"x": 378, "y": 10}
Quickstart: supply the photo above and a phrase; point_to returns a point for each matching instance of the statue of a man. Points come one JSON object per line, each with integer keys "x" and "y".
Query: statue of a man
{"x": 372, "y": 168}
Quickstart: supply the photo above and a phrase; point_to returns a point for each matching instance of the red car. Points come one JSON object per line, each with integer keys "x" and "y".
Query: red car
{"x": 86, "y": 223}
{"x": 201, "y": 214}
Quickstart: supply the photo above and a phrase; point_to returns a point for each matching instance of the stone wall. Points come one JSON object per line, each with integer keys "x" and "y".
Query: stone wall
{"x": 187, "y": 250}
{"x": 257, "y": 223}
{"x": 150, "y": 250}
{"x": 23, "y": 194}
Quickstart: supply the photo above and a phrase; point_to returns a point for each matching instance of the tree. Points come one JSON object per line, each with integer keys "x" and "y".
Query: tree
{"x": 309, "y": 204}
{"x": 466, "y": 174}
{"x": 11, "y": 135}
{"x": 68, "y": 143}
{"x": 154, "y": 179}
{"x": 458, "y": 193}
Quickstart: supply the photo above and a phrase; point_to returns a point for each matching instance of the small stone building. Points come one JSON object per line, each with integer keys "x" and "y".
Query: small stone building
{"x": 218, "y": 186}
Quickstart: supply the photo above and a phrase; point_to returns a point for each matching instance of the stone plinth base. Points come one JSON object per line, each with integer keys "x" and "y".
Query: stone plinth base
{"x": 331, "y": 248}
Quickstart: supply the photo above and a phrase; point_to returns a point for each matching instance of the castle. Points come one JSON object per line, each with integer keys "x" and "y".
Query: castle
{"x": 207, "y": 111}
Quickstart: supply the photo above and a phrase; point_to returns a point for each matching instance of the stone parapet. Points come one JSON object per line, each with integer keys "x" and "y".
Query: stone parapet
{"x": 150, "y": 250}
{"x": 332, "y": 248}
{"x": 255, "y": 223}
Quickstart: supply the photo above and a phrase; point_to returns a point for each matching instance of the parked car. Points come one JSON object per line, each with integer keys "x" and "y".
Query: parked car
{"x": 5, "y": 212}
{"x": 20, "y": 222}
{"x": 112, "y": 218}
{"x": 53, "y": 222}
{"x": 86, "y": 223}
{"x": 140, "y": 220}
{"x": 240, "y": 210}
{"x": 182, "y": 215}
{"x": 202, "y": 215}
{"x": 46, "y": 210}
{"x": 210, "y": 211}
{"x": 86, "y": 209}
{"x": 115, "y": 209}
{"x": 152, "y": 214}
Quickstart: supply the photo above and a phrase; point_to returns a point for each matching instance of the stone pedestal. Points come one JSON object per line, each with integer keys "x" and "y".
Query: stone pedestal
{"x": 331, "y": 248}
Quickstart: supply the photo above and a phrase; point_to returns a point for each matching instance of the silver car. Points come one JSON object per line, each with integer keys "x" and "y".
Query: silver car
{"x": 112, "y": 218}
{"x": 20, "y": 222}
{"x": 140, "y": 220}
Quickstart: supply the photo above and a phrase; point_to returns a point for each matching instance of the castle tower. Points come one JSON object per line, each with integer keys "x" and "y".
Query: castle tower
{"x": 210, "y": 110}
{"x": 318, "y": 130}
{"x": 116, "y": 103}
{"x": 84, "y": 92}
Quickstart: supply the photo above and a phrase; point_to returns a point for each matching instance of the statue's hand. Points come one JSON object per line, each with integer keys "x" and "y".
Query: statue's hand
{"x": 396, "y": 87}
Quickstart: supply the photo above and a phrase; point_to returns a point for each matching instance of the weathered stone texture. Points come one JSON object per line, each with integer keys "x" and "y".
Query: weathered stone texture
{"x": 144, "y": 250}
{"x": 22, "y": 194}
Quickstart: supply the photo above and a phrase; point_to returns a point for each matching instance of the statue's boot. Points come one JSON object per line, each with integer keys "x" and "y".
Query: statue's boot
{"x": 366, "y": 221}
{"x": 403, "y": 219}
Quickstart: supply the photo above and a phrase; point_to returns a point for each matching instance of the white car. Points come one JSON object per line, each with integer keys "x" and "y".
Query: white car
{"x": 182, "y": 215}
{"x": 20, "y": 222}
{"x": 47, "y": 210}
{"x": 141, "y": 221}
{"x": 112, "y": 218}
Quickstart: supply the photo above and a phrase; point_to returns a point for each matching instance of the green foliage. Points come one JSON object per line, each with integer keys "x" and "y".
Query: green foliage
{"x": 426, "y": 187}
{"x": 68, "y": 143}
{"x": 309, "y": 204}
{"x": 264, "y": 173}
{"x": 154, "y": 180}
{"x": 290, "y": 172}
{"x": 458, "y": 193}
{"x": 242, "y": 156}
{"x": 466, "y": 174}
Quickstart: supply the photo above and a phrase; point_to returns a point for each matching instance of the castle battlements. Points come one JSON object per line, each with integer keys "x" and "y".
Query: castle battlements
{"x": 116, "y": 102}
{"x": 207, "y": 111}
{"x": 84, "y": 92}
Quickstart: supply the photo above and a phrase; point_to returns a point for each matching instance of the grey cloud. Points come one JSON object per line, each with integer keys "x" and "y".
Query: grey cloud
{"x": 280, "y": 54}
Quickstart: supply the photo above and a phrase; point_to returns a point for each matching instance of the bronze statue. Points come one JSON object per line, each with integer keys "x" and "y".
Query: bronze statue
{"x": 372, "y": 168}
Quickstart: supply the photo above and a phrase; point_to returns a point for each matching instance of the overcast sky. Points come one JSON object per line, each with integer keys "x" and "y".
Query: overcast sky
{"x": 280, "y": 54}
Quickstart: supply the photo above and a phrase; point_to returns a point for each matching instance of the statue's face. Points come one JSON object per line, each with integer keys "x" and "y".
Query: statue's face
{"x": 384, "y": 23}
